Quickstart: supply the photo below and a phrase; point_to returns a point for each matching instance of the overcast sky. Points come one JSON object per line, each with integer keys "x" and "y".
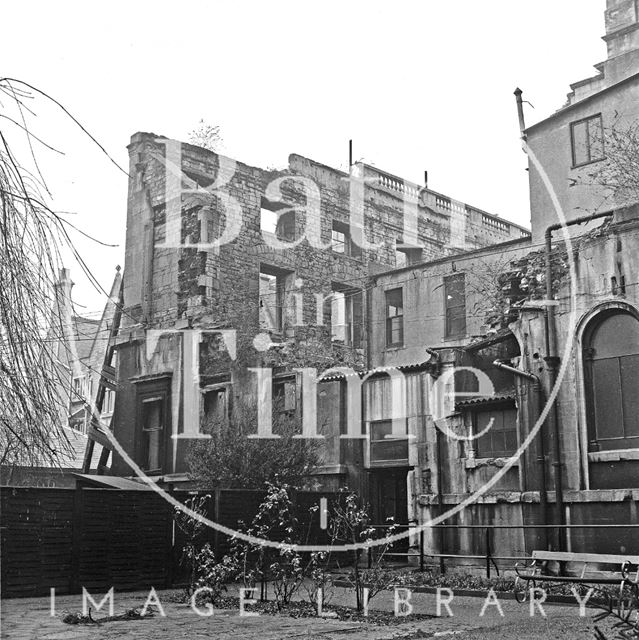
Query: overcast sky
{"x": 416, "y": 85}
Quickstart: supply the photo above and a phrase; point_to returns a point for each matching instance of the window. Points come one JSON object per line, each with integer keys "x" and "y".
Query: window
{"x": 339, "y": 241}
{"x": 455, "y": 305}
{"x": 152, "y": 433}
{"x": 78, "y": 389}
{"x": 394, "y": 318}
{"x": 586, "y": 137}
{"x": 342, "y": 242}
{"x": 272, "y": 293}
{"x": 108, "y": 402}
{"x": 277, "y": 220}
{"x": 346, "y": 316}
{"x": 406, "y": 255}
{"x": 500, "y": 441}
{"x": 611, "y": 362}
{"x": 215, "y": 407}
{"x": 284, "y": 395}
{"x": 385, "y": 445}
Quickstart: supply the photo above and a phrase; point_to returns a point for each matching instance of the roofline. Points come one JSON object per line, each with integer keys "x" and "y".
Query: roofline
{"x": 455, "y": 256}
{"x": 580, "y": 103}
{"x": 338, "y": 172}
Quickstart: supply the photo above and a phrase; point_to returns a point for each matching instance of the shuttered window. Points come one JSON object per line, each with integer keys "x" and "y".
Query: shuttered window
{"x": 611, "y": 360}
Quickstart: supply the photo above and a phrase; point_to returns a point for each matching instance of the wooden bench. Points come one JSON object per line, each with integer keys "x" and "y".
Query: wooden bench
{"x": 581, "y": 571}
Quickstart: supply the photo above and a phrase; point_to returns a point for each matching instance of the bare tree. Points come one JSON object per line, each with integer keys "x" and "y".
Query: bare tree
{"x": 618, "y": 173}
{"x": 33, "y": 382}
{"x": 206, "y": 136}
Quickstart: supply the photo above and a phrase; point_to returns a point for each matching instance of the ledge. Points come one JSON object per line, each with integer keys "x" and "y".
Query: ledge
{"x": 526, "y": 497}
{"x": 474, "y": 463}
{"x": 328, "y": 470}
{"x": 613, "y": 455}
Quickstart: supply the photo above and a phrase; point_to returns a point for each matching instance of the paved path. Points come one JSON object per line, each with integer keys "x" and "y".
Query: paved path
{"x": 30, "y": 619}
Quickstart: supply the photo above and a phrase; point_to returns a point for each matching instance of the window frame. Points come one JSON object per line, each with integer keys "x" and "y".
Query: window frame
{"x": 145, "y": 439}
{"x": 448, "y": 309}
{"x": 389, "y": 320}
{"x": 573, "y": 149}
{"x": 149, "y": 390}
{"x": 353, "y": 301}
{"x": 492, "y": 408}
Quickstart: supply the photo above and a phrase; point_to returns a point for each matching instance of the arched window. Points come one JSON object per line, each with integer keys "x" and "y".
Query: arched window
{"x": 611, "y": 362}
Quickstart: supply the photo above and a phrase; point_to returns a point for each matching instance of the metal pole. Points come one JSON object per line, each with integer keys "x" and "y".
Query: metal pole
{"x": 421, "y": 551}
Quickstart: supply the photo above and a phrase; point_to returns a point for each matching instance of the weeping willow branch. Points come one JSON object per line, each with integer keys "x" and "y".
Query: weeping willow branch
{"x": 35, "y": 381}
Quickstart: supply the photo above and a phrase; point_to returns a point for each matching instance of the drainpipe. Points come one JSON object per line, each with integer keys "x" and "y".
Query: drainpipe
{"x": 541, "y": 458}
{"x": 552, "y": 362}
{"x": 520, "y": 112}
{"x": 440, "y": 492}
{"x": 440, "y": 500}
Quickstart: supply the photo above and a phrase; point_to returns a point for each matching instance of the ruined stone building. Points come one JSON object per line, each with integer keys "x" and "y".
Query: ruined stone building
{"x": 557, "y": 314}
{"x": 273, "y": 268}
{"x": 231, "y": 269}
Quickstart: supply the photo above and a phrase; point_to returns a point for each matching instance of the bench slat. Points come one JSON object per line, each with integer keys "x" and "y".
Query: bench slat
{"x": 544, "y": 578}
{"x": 565, "y": 556}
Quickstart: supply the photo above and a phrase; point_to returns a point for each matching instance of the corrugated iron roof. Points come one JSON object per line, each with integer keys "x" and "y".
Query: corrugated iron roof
{"x": 478, "y": 400}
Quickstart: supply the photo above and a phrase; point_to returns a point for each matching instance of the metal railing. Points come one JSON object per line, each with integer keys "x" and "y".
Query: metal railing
{"x": 489, "y": 559}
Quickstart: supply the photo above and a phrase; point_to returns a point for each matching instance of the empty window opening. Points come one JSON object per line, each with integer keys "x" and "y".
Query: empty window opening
{"x": 278, "y": 221}
{"x": 405, "y": 255}
{"x": 341, "y": 240}
{"x": 272, "y": 297}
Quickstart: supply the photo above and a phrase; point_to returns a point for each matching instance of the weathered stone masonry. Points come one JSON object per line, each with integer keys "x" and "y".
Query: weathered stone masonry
{"x": 177, "y": 288}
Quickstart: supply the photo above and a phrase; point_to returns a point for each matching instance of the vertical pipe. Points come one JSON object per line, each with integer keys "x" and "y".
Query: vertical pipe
{"x": 487, "y": 552}
{"x": 520, "y": 112}
{"x": 440, "y": 500}
{"x": 552, "y": 361}
{"x": 421, "y": 550}
{"x": 350, "y": 154}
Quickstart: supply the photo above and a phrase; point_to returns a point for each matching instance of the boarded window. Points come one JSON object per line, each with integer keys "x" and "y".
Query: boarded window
{"x": 455, "y": 305}
{"x": 587, "y": 141}
{"x": 611, "y": 359}
{"x": 394, "y": 318}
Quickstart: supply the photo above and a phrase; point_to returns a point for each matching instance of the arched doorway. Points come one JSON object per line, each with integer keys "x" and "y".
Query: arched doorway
{"x": 611, "y": 377}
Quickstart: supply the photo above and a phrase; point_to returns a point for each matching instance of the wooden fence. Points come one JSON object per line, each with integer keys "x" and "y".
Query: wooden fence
{"x": 102, "y": 538}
